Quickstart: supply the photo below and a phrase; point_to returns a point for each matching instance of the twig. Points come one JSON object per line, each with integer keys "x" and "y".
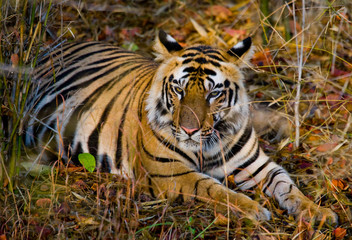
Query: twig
{"x": 300, "y": 66}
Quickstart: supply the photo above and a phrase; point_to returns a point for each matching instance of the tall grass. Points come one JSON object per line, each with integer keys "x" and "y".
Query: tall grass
{"x": 21, "y": 38}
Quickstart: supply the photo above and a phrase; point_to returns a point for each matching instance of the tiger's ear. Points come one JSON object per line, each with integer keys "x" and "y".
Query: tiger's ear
{"x": 242, "y": 51}
{"x": 165, "y": 46}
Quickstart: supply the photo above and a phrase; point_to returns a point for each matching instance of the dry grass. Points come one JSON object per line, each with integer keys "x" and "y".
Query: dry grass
{"x": 77, "y": 205}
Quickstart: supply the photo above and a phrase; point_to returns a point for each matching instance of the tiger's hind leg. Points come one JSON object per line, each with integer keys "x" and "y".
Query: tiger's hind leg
{"x": 269, "y": 123}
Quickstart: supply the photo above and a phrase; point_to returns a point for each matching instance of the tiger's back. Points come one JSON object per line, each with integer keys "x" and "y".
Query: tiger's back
{"x": 83, "y": 94}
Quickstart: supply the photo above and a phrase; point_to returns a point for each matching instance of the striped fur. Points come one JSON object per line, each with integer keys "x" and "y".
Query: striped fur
{"x": 180, "y": 123}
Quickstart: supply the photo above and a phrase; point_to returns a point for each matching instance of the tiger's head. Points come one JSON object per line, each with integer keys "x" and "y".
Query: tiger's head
{"x": 197, "y": 96}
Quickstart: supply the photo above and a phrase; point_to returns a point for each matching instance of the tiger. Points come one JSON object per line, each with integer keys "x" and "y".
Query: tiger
{"x": 179, "y": 123}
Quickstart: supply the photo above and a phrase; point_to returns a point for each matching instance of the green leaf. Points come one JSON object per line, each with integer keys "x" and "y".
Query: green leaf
{"x": 130, "y": 46}
{"x": 88, "y": 161}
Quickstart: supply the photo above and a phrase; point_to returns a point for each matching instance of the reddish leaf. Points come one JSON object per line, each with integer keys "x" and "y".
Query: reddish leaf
{"x": 339, "y": 233}
{"x": 292, "y": 26}
{"x": 337, "y": 72}
{"x": 325, "y": 147}
{"x": 340, "y": 184}
{"x": 305, "y": 164}
{"x": 234, "y": 32}
{"x": 15, "y": 59}
{"x": 263, "y": 59}
{"x": 3, "y": 237}
{"x": 330, "y": 161}
{"x": 43, "y": 202}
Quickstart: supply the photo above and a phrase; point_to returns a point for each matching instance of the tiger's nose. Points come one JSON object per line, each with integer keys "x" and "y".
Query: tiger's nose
{"x": 190, "y": 131}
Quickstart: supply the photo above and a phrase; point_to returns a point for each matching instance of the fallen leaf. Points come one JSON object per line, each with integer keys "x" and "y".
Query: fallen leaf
{"x": 340, "y": 184}
{"x": 263, "y": 60}
{"x": 293, "y": 26}
{"x": 15, "y": 59}
{"x": 339, "y": 233}
{"x": 330, "y": 161}
{"x": 325, "y": 147}
{"x": 3, "y": 237}
{"x": 234, "y": 32}
{"x": 220, "y": 12}
{"x": 43, "y": 202}
{"x": 337, "y": 72}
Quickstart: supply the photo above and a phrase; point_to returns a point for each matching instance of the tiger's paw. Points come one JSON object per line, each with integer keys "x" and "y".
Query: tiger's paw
{"x": 310, "y": 211}
{"x": 243, "y": 206}
{"x": 254, "y": 211}
{"x": 303, "y": 208}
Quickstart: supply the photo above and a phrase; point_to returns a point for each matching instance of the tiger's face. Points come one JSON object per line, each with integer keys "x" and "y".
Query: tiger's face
{"x": 197, "y": 97}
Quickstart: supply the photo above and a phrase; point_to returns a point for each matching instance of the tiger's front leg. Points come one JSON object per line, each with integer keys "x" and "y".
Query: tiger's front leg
{"x": 292, "y": 199}
{"x": 279, "y": 185}
{"x": 188, "y": 184}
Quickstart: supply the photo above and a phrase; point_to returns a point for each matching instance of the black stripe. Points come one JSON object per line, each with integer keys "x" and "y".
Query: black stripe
{"x": 277, "y": 183}
{"x": 71, "y": 125}
{"x": 62, "y": 49}
{"x": 122, "y": 122}
{"x": 189, "y": 69}
{"x": 189, "y": 55}
{"x": 200, "y": 48}
{"x": 215, "y": 57}
{"x": 210, "y": 80}
{"x": 188, "y": 60}
{"x": 45, "y": 110}
{"x": 72, "y": 57}
{"x": 118, "y": 152}
{"x": 143, "y": 97}
{"x": 273, "y": 175}
{"x": 230, "y": 96}
{"x": 216, "y": 64}
{"x": 236, "y": 95}
{"x": 201, "y": 60}
{"x": 260, "y": 168}
{"x": 85, "y": 71}
{"x": 151, "y": 190}
{"x": 173, "y": 148}
{"x": 158, "y": 159}
{"x": 289, "y": 190}
{"x": 197, "y": 183}
{"x": 93, "y": 140}
{"x": 247, "y": 163}
{"x": 213, "y": 51}
{"x": 171, "y": 175}
{"x": 256, "y": 172}
{"x": 240, "y": 143}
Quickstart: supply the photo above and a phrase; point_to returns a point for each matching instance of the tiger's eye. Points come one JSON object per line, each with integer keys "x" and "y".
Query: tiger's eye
{"x": 215, "y": 94}
{"x": 178, "y": 89}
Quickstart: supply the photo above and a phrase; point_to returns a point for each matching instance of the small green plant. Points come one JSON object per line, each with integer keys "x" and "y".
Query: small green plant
{"x": 88, "y": 161}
